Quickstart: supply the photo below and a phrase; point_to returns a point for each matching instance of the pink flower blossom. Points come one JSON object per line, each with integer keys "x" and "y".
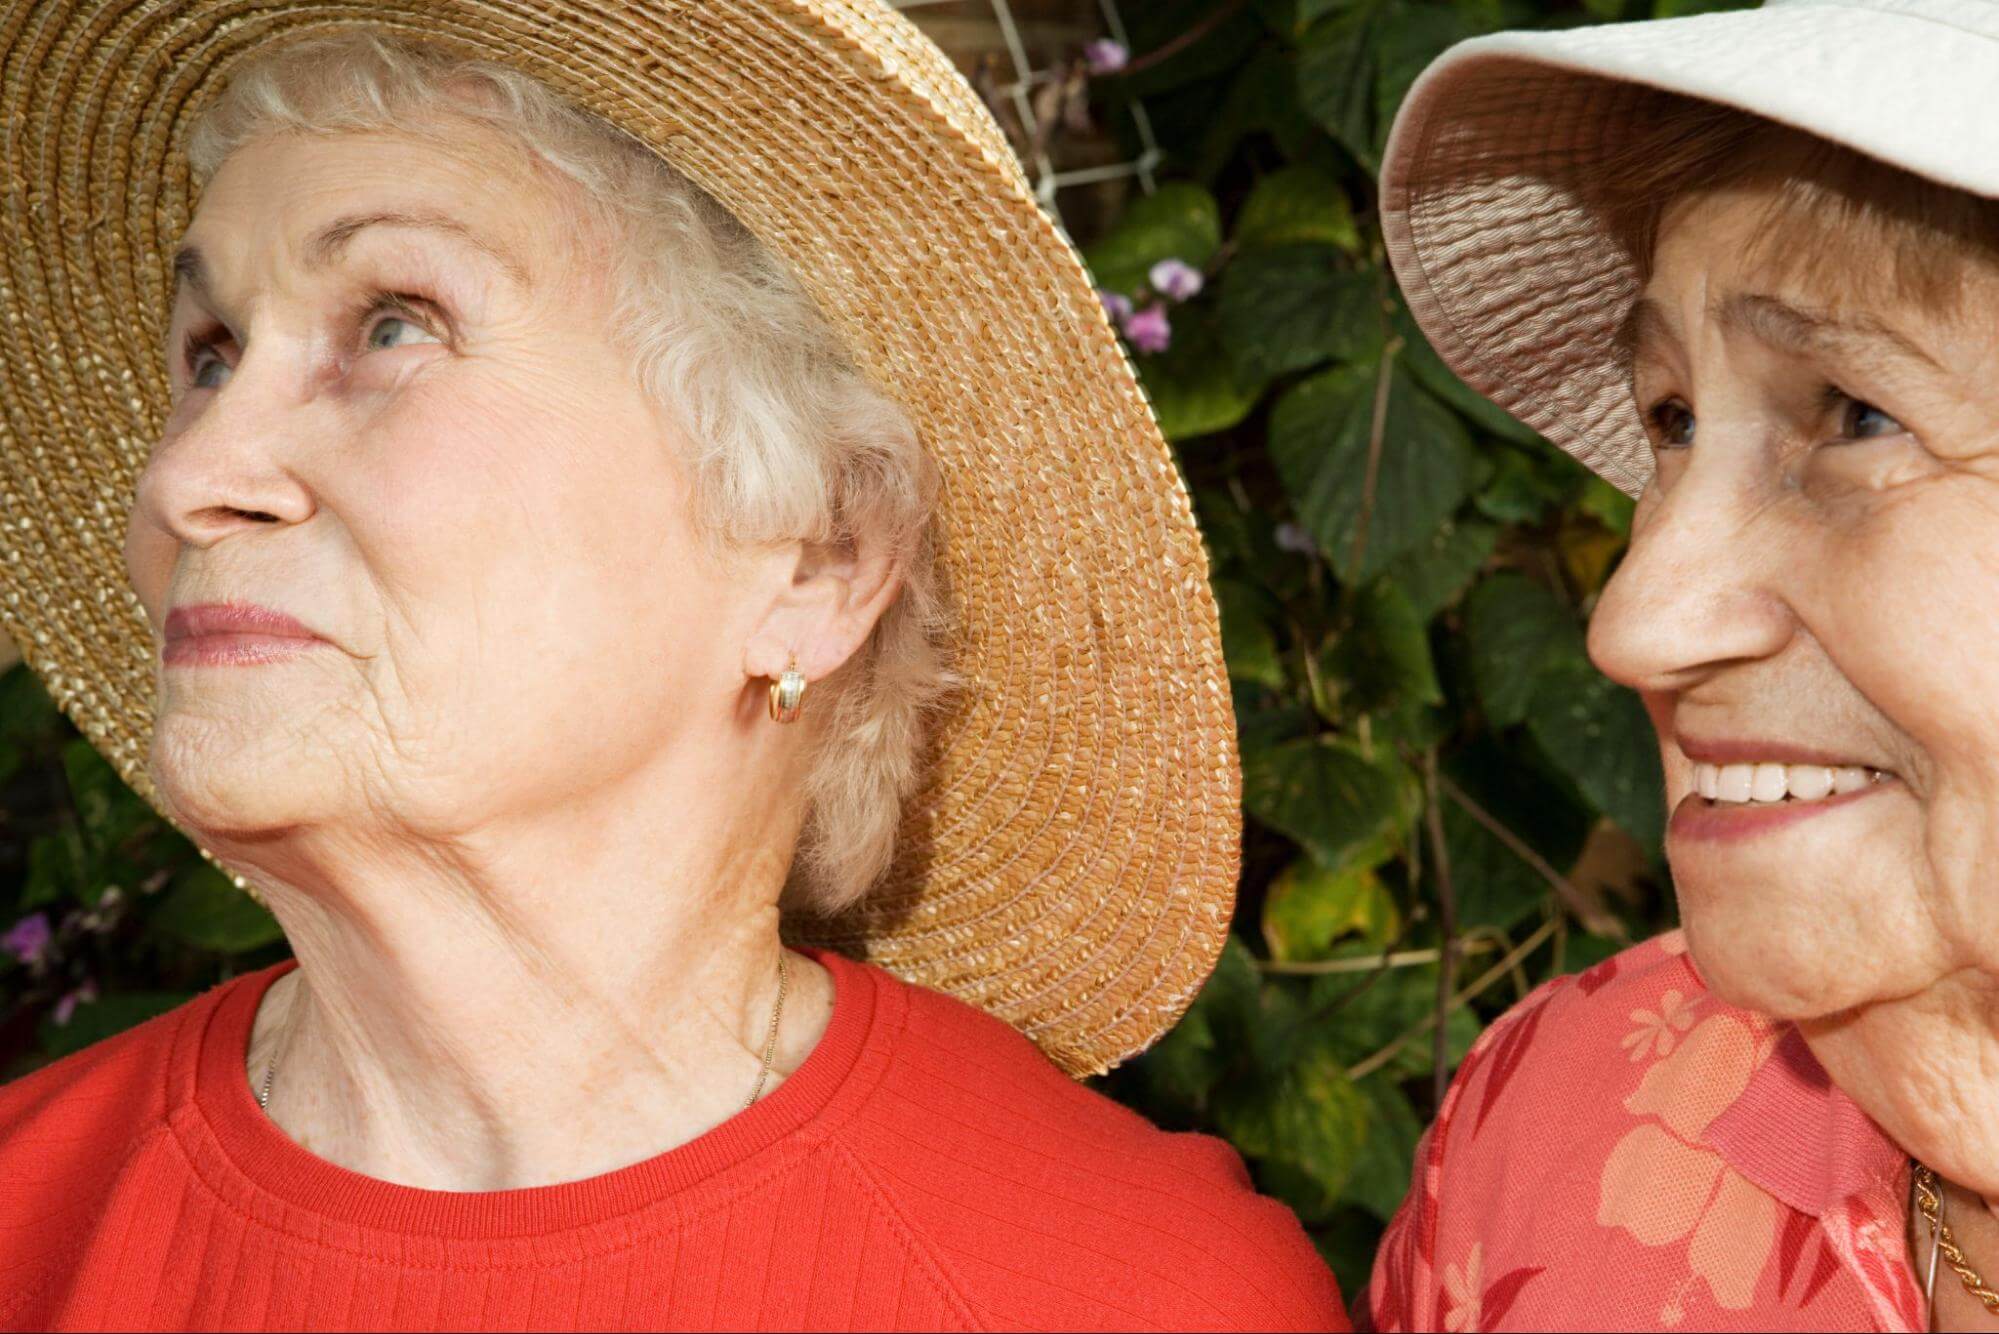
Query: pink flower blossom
{"x": 1175, "y": 279}
{"x": 1149, "y": 330}
{"x": 28, "y": 939}
{"x": 1105, "y": 56}
{"x": 1116, "y": 306}
{"x": 71, "y": 999}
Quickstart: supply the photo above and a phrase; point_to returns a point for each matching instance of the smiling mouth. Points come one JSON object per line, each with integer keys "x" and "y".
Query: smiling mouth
{"x": 1768, "y": 784}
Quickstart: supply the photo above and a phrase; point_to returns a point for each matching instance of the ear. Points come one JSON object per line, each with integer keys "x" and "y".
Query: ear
{"x": 835, "y": 596}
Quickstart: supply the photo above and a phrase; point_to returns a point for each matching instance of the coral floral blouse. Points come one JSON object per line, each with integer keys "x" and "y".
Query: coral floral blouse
{"x": 1624, "y": 1151}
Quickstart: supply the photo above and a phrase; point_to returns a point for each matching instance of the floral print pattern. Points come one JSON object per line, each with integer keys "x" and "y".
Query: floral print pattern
{"x": 1623, "y": 1150}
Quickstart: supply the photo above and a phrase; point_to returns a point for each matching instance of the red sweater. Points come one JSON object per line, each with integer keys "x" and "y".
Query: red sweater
{"x": 926, "y": 1167}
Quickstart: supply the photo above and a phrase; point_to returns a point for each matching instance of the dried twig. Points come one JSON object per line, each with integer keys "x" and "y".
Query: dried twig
{"x": 1447, "y": 921}
{"x": 1362, "y": 963}
{"x": 1484, "y": 982}
{"x": 1166, "y": 51}
{"x": 1592, "y": 917}
{"x": 1377, "y": 428}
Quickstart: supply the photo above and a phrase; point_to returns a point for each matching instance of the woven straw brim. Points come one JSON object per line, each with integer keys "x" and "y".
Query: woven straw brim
{"x": 1485, "y": 183}
{"x": 1071, "y": 864}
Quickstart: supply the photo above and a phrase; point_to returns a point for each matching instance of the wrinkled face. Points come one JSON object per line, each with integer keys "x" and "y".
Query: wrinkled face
{"x": 1810, "y": 606}
{"x": 398, "y": 419}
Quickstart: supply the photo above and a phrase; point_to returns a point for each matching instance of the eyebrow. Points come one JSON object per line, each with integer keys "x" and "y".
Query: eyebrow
{"x": 326, "y": 245}
{"x": 1643, "y": 324}
{"x": 1798, "y": 329}
{"x": 1768, "y": 319}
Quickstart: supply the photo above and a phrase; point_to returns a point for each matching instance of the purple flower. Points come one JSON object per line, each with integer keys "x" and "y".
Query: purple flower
{"x": 71, "y": 999}
{"x": 1293, "y": 538}
{"x": 1149, "y": 330}
{"x": 1115, "y": 306}
{"x": 1175, "y": 279}
{"x": 28, "y": 939}
{"x": 1105, "y": 56}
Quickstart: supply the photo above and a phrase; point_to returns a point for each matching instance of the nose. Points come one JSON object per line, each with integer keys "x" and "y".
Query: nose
{"x": 1699, "y": 588}
{"x": 225, "y": 471}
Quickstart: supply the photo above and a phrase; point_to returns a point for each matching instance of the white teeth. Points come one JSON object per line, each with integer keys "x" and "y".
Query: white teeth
{"x": 1734, "y": 781}
{"x": 1770, "y": 783}
{"x": 1775, "y": 782}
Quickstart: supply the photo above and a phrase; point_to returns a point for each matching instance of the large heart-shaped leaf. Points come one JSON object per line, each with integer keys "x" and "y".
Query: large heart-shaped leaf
{"x": 1320, "y": 433}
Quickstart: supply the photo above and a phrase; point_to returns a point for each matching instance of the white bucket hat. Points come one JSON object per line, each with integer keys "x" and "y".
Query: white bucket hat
{"x": 1518, "y": 284}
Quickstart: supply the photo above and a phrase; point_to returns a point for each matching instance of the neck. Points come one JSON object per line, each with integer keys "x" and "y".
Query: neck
{"x": 1926, "y": 1068}
{"x": 534, "y": 1004}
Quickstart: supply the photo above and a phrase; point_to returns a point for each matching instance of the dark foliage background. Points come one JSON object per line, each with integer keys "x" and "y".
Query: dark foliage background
{"x": 1446, "y": 804}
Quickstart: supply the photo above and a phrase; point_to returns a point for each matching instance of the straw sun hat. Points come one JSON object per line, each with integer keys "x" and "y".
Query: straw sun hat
{"x": 1071, "y": 864}
{"x": 1517, "y": 283}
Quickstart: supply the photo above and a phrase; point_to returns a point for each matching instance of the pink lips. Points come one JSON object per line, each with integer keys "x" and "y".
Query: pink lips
{"x": 233, "y": 634}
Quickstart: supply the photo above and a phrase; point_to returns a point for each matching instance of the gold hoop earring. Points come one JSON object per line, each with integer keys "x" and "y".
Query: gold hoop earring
{"x": 787, "y": 694}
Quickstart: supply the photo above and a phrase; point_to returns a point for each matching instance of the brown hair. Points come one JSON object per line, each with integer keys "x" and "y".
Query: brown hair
{"x": 1838, "y": 218}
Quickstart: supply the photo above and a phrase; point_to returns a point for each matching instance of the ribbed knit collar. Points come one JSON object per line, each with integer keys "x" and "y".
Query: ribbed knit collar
{"x": 244, "y": 1155}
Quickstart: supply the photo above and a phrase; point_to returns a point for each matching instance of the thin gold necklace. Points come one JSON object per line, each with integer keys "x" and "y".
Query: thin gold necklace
{"x": 1929, "y": 1198}
{"x": 763, "y": 1075}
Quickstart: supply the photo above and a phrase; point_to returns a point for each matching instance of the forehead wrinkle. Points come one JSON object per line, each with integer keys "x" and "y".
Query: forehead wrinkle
{"x": 326, "y": 245}
{"x": 1802, "y": 330}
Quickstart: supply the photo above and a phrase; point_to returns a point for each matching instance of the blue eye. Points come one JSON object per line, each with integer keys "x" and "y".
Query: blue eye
{"x": 1864, "y": 421}
{"x": 409, "y": 327}
{"x": 1672, "y": 423}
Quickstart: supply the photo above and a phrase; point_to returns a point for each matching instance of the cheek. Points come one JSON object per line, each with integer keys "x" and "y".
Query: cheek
{"x": 525, "y": 515}
{"x": 1911, "y": 623}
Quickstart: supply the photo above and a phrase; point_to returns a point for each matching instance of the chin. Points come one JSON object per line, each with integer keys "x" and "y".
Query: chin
{"x": 223, "y": 781}
{"x": 1794, "y": 951}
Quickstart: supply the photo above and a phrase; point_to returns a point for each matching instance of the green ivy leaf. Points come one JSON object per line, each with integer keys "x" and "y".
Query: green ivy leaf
{"x": 1433, "y": 573}
{"x": 1310, "y": 1115}
{"x": 1180, "y": 220}
{"x": 1607, "y": 505}
{"x": 1596, "y": 731}
{"x": 1249, "y": 645}
{"x": 205, "y": 910}
{"x": 1385, "y": 657}
{"x": 1519, "y": 491}
{"x": 1287, "y": 308}
{"x": 1344, "y": 807}
{"x": 1515, "y": 628}
{"x": 1380, "y": 1177}
{"x": 27, "y": 714}
{"x": 1193, "y": 388}
{"x": 1428, "y": 369}
{"x": 1319, "y": 436}
{"x": 95, "y": 1020}
{"x": 55, "y": 871}
{"x": 1337, "y": 65}
{"x": 1410, "y": 35}
{"x": 1309, "y": 908}
{"x": 1298, "y": 205}
{"x": 1182, "y": 1067}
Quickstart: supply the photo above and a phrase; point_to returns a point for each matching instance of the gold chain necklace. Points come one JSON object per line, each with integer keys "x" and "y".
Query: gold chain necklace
{"x": 1929, "y": 1198}
{"x": 763, "y": 1075}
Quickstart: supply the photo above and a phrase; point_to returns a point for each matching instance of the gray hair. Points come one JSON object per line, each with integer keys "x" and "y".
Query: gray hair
{"x": 790, "y": 440}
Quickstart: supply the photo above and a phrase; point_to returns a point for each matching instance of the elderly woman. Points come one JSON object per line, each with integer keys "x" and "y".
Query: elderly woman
{"x": 1785, "y": 340}
{"x": 541, "y": 561}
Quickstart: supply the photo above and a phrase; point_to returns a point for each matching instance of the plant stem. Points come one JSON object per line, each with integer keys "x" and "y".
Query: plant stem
{"x": 1447, "y": 922}
{"x": 1485, "y": 980}
{"x": 1186, "y": 39}
{"x": 1598, "y": 922}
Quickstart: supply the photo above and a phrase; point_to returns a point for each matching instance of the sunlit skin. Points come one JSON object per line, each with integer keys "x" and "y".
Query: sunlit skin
{"x": 522, "y": 815}
{"x": 1816, "y": 565}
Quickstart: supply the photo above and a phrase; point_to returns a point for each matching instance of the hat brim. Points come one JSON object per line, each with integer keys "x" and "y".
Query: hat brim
{"x": 1512, "y": 276}
{"x": 1070, "y": 865}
